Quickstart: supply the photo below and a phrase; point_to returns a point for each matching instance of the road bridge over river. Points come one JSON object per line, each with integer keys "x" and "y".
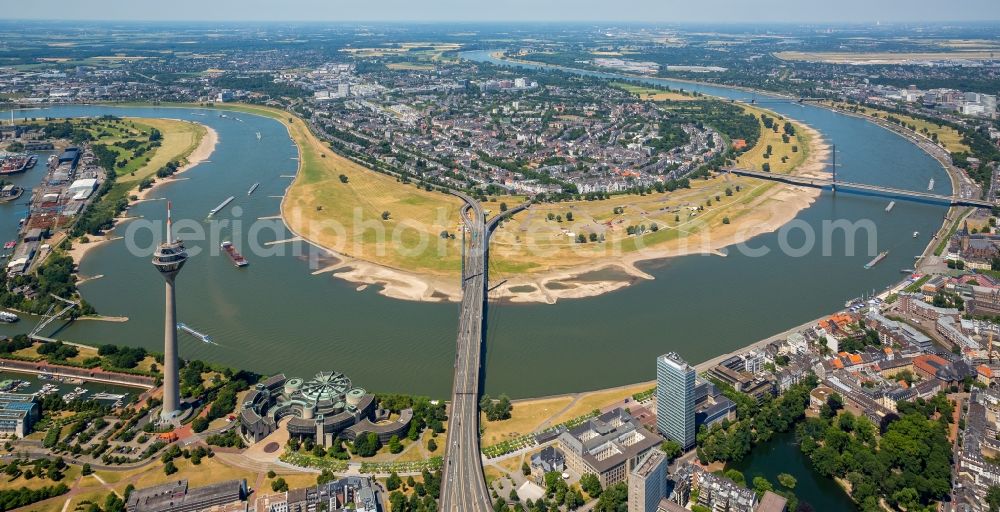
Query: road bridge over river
{"x": 464, "y": 485}
{"x": 836, "y": 184}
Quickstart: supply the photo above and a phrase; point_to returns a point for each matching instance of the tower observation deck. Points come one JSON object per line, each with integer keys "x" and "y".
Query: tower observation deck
{"x": 168, "y": 259}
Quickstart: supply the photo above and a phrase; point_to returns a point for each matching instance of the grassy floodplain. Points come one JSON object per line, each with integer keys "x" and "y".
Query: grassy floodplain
{"x": 946, "y": 135}
{"x": 722, "y": 205}
{"x": 531, "y": 247}
{"x": 318, "y": 195}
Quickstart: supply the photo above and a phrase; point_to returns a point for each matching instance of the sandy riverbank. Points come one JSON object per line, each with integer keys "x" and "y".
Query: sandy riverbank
{"x": 200, "y": 154}
{"x": 767, "y": 213}
{"x": 773, "y": 208}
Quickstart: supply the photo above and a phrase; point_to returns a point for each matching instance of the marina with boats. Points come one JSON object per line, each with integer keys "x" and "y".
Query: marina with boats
{"x": 44, "y": 385}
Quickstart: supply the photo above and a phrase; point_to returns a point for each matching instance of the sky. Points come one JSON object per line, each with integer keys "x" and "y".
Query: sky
{"x": 680, "y": 11}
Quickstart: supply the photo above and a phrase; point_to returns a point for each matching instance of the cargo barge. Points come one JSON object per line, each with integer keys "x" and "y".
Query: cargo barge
{"x": 881, "y": 256}
{"x": 233, "y": 254}
{"x": 219, "y": 208}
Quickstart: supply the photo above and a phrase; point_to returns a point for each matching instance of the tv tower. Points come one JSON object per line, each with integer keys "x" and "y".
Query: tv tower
{"x": 169, "y": 257}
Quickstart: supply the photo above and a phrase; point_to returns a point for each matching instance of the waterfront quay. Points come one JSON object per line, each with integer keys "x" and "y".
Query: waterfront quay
{"x": 98, "y": 375}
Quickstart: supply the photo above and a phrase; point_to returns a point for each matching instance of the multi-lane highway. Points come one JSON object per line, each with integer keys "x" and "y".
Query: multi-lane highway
{"x": 464, "y": 486}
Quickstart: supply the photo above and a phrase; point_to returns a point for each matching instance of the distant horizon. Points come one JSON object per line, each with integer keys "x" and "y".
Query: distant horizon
{"x": 517, "y": 21}
{"x": 507, "y": 11}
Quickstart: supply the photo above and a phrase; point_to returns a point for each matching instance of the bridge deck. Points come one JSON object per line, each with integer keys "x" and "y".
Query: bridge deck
{"x": 891, "y": 191}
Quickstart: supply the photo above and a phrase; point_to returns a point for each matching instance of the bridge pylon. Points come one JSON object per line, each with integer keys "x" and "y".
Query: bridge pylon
{"x": 834, "y": 185}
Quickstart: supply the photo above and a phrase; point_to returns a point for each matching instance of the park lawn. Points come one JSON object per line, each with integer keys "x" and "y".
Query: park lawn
{"x": 80, "y": 501}
{"x": 492, "y": 204}
{"x": 525, "y": 418}
{"x": 651, "y": 94}
{"x": 180, "y": 138}
{"x": 29, "y": 352}
{"x": 513, "y": 464}
{"x": 419, "y": 449}
{"x": 949, "y": 137}
{"x": 113, "y": 477}
{"x": 347, "y": 217}
{"x": 296, "y": 480}
{"x": 53, "y": 505}
{"x": 210, "y": 471}
{"x": 530, "y": 242}
{"x": 146, "y": 364}
{"x": 754, "y": 157}
{"x": 492, "y": 474}
{"x": 71, "y": 474}
{"x": 409, "y": 66}
{"x": 598, "y": 399}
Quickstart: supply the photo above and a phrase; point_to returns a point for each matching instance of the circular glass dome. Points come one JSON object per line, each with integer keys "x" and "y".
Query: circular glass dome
{"x": 325, "y": 386}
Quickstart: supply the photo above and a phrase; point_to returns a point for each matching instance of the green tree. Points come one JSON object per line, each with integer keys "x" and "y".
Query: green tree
{"x": 394, "y": 445}
{"x": 367, "y": 444}
{"x": 670, "y": 448}
{"x": 761, "y": 485}
{"x": 393, "y": 482}
{"x": 591, "y": 485}
{"x": 787, "y": 481}
{"x": 736, "y": 476}
{"x": 993, "y": 498}
{"x": 112, "y": 503}
{"x": 279, "y": 485}
{"x": 200, "y": 424}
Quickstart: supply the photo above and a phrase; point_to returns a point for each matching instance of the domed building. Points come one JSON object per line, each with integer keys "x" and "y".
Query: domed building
{"x": 323, "y": 408}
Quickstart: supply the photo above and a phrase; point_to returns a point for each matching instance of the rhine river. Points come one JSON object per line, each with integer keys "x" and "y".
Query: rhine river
{"x": 275, "y": 316}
